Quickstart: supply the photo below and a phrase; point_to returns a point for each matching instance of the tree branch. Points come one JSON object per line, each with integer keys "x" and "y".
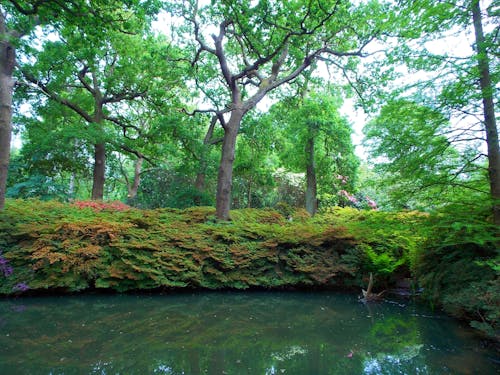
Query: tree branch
{"x": 81, "y": 76}
{"x": 201, "y": 42}
{"x": 219, "y": 52}
{"x": 115, "y": 98}
{"x": 136, "y": 153}
{"x": 123, "y": 125}
{"x": 52, "y": 95}
{"x": 31, "y": 11}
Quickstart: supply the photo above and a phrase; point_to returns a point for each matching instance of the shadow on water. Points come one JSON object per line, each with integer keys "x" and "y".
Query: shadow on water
{"x": 232, "y": 333}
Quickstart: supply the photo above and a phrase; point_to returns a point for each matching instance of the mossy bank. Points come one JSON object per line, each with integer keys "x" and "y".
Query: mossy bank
{"x": 52, "y": 246}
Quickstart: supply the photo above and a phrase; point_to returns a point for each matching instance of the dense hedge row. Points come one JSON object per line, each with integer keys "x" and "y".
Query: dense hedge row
{"x": 80, "y": 246}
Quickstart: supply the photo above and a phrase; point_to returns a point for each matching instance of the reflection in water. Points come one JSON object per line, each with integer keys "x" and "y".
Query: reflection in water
{"x": 231, "y": 333}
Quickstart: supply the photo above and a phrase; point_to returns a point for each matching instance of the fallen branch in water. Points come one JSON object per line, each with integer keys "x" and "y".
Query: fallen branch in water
{"x": 368, "y": 296}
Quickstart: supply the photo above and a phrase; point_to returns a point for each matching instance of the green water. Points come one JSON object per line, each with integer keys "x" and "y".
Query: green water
{"x": 233, "y": 333}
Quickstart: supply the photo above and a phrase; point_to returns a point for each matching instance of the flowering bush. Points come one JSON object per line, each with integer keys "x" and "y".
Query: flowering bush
{"x": 5, "y": 268}
{"x": 349, "y": 197}
{"x": 365, "y": 201}
{"x": 371, "y": 203}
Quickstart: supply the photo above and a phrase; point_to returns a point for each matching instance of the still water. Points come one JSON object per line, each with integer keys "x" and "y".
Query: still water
{"x": 233, "y": 333}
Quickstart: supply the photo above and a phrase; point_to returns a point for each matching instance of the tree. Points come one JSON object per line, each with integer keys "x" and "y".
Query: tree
{"x": 18, "y": 21}
{"x": 260, "y": 47}
{"x": 412, "y": 148}
{"x": 54, "y": 149}
{"x": 316, "y": 140}
{"x": 490, "y": 126}
{"x": 102, "y": 79}
{"x": 459, "y": 83}
{"x": 7, "y": 64}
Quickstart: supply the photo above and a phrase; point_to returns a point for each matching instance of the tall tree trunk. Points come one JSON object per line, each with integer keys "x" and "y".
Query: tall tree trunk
{"x": 225, "y": 176}
{"x": 489, "y": 111}
{"x": 134, "y": 187}
{"x": 311, "y": 189}
{"x": 202, "y": 169}
{"x": 249, "y": 192}
{"x": 71, "y": 185}
{"x": 7, "y": 64}
{"x": 199, "y": 183}
{"x": 99, "y": 170}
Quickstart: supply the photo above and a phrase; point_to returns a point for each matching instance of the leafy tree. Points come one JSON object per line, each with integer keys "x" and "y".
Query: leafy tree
{"x": 19, "y": 20}
{"x": 255, "y": 163}
{"x": 103, "y": 79}
{"x": 487, "y": 88}
{"x": 460, "y": 83}
{"x": 183, "y": 162}
{"x": 316, "y": 140}
{"x": 413, "y": 151}
{"x": 257, "y": 47}
{"x": 56, "y": 148}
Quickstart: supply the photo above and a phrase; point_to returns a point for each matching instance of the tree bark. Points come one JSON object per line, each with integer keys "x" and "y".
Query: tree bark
{"x": 311, "y": 186}
{"x": 99, "y": 171}
{"x": 489, "y": 111}
{"x": 134, "y": 187}
{"x": 199, "y": 183}
{"x": 225, "y": 176}
{"x": 7, "y": 64}
{"x": 249, "y": 192}
{"x": 203, "y": 159}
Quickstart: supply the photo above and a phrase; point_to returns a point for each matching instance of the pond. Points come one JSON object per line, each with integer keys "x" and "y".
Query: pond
{"x": 233, "y": 333}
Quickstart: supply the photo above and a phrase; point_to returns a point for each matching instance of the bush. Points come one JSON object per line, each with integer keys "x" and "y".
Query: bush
{"x": 84, "y": 245}
{"x": 458, "y": 266}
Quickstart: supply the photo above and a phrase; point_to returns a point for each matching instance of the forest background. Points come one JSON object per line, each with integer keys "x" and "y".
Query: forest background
{"x": 240, "y": 104}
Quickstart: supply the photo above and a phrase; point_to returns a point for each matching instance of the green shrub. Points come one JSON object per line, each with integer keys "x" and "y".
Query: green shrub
{"x": 458, "y": 265}
{"x": 72, "y": 247}
{"x": 78, "y": 246}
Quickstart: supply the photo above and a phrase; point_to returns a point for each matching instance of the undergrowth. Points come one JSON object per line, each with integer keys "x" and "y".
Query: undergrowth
{"x": 88, "y": 245}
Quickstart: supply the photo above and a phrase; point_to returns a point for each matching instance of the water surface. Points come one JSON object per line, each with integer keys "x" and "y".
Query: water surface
{"x": 233, "y": 333}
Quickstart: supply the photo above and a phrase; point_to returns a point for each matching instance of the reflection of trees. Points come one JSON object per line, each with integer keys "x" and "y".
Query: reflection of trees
{"x": 251, "y": 333}
{"x": 397, "y": 332}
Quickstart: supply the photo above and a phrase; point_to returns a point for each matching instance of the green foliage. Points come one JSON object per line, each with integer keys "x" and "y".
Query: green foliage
{"x": 418, "y": 165}
{"x": 99, "y": 93}
{"x": 72, "y": 247}
{"x": 458, "y": 267}
{"x": 163, "y": 187}
{"x": 79, "y": 246}
{"x": 316, "y": 117}
{"x": 388, "y": 241}
{"x": 38, "y": 186}
{"x": 255, "y": 162}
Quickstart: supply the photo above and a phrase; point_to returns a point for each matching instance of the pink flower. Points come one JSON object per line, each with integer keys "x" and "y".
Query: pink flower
{"x": 371, "y": 203}
{"x": 350, "y": 197}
